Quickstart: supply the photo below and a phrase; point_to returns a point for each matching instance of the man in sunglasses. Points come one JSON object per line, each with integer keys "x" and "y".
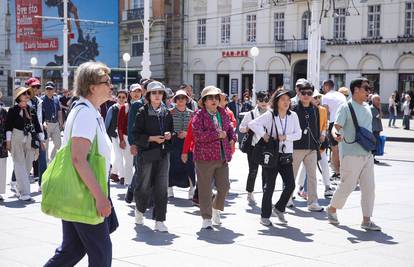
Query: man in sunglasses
{"x": 305, "y": 150}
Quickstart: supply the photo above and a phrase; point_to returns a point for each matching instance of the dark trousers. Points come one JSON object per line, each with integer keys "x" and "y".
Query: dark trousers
{"x": 40, "y": 165}
{"x": 251, "y": 177}
{"x": 152, "y": 182}
{"x": 80, "y": 239}
{"x": 406, "y": 122}
{"x": 131, "y": 187}
{"x": 269, "y": 177}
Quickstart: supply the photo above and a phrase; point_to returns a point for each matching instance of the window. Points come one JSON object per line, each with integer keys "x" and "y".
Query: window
{"x": 201, "y": 31}
{"x": 275, "y": 82}
{"x": 225, "y": 30}
{"x": 374, "y": 18}
{"x": 374, "y": 81}
{"x": 305, "y": 24}
{"x": 339, "y": 23}
{"x": 279, "y": 26}
{"x": 251, "y": 28}
{"x": 137, "y": 45}
{"x": 405, "y": 82}
{"x": 137, "y": 4}
{"x": 409, "y": 18}
{"x": 338, "y": 79}
{"x": 199, "y": 81}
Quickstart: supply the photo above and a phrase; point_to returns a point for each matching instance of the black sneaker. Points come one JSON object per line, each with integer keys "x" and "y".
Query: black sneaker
{"x": 129, "y": 197}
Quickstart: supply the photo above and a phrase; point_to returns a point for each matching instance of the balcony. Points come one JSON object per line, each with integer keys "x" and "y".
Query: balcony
{"x": 295, "y": 46}
{"x": 133, "y": 14}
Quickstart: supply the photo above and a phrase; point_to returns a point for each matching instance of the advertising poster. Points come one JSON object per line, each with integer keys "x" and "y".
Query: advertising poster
{"x": 38, "y": 34}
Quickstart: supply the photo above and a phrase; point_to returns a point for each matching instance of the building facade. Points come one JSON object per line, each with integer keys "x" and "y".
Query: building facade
{"x": 5, "y": 72}
{"x": 165, "y": 38}
{"x": 374, "y": 39}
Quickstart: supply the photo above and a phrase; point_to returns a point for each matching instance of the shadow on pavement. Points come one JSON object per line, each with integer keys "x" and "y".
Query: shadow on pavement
{"x": 254, "y": 209}
{"x": 153, "y": 238}
{"x": 362, "y": 235}
{"x": 180, "y": 202}
{"x": 17, "y": 204}
{"x": 287, "y": 232}
{"x": 220, "y": 235}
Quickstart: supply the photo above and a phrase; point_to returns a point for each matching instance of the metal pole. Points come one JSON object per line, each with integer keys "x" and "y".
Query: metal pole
{"x": 146, "y": 63}
{"x": 254, "y": 82}
{"x": 314, "y": 46}
{"x": 126, "y": 75}
{"x": 65, "y": 45}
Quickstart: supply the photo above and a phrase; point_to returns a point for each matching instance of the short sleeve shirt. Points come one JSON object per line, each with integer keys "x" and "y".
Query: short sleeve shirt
{"x": 333, "y": 100}
{"x": 87, "y": 122}
{"x": 50, "y": 108}
{"x": 344, "y": 119}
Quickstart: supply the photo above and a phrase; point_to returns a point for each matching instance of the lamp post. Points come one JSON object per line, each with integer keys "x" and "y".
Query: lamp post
{"x": 254, "y": 52}
{"x": 126, "y": 57}
{"x": 33, "y": 62}
{"x": 146, "y": 62}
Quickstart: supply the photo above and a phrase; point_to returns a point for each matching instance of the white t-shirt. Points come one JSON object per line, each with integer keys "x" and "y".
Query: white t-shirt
{"x": 333, "y": 100}
{"x": 86, "y": 122}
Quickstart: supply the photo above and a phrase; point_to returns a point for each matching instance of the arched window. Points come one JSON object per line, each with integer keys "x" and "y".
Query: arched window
{"x": 305, "y": 24}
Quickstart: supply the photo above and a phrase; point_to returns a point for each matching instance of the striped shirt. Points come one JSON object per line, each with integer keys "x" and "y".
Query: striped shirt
{"x": 181, "y": 119}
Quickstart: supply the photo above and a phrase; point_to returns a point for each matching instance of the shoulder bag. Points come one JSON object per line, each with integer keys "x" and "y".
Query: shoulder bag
{"x": 267, "y": 154}
{"x": 246, "y": 142}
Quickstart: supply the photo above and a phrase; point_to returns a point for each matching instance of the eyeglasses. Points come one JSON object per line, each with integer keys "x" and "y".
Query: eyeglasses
{"x": 157, "y": 92}
{"x": 181, "y": 97}
{"x": 306, "y": 93}
{"x": 213, "y": 97}
{"x": 107, "y": 82}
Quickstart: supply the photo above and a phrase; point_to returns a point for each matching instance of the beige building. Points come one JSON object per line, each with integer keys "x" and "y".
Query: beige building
{"x": 5, "y": 72}
{"x": 374, "y": 39}
{"x": 165, "y": 38}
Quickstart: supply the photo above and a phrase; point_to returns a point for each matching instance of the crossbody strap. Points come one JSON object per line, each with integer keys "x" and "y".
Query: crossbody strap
{"x": 354, "y": 120}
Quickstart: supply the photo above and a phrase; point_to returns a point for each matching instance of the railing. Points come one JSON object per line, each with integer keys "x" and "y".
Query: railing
{"x": 133, "y": 14}
{"x": 295, "y": 46}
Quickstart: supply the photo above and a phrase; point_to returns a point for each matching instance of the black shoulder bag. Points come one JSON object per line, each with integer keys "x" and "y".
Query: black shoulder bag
{"x": 246, "y": 142}
{"x": 267, "y": 154}
{"x": 363, "y": 137}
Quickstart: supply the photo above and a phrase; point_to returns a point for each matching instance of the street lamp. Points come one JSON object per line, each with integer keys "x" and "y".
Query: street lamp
{"x": 254, "y": 52}
{"x": 33, "y": 62}
{"x": 126, "y": 58}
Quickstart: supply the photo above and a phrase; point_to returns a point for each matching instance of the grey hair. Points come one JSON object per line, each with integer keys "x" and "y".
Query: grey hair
{"x": 375, "y": 96}
{"x": 87, "y": 74}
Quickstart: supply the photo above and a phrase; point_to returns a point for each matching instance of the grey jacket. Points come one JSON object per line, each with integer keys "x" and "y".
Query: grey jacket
{"x": 376, "y": 119}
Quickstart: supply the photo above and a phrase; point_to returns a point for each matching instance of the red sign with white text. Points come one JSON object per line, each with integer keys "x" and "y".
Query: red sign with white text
{"x": 237, "y": 53}
{"x": 27, "y": 26}
{"x": 41, "y": 44}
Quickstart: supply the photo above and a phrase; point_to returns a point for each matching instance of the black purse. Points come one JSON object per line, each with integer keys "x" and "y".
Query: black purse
{"x": 267, "y": 154}
{"x": 246, "y": 142}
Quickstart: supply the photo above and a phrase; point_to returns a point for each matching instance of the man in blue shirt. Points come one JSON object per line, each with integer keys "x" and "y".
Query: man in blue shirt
{"x": 357, "y": 164}
{"x": 52, "y": 117}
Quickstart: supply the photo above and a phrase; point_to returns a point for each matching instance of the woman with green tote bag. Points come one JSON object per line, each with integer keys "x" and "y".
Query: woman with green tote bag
{"x": 90, "y": 152}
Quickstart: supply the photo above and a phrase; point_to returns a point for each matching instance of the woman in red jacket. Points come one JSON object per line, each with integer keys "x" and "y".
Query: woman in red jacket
{"x": 126, "y": 170}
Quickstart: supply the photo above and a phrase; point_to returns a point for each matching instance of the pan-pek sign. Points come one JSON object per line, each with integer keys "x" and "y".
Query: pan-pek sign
{"x": 29, "y": 27}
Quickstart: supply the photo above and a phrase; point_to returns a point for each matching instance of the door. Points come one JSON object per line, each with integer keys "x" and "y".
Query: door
{"x": 223, "y": 82}
{"x": 247, "y": 83}
{"x": 275, "y": 81}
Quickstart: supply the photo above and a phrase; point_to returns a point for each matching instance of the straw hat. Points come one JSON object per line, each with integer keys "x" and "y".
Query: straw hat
{"x": 19, "y": 91}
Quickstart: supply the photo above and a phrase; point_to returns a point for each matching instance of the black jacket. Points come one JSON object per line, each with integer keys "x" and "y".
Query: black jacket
{"x": 114, "y": 122}
{"x": 147, "y": 124}
{"x": 309, "y": 123}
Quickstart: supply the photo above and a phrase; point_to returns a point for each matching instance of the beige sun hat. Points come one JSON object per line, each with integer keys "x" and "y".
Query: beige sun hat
{"x": 181, "y": 92}
{"x": 209, "y": 90}
{"x": 19, "y": 91}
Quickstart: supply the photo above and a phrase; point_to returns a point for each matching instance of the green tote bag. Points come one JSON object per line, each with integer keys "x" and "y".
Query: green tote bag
{"x": 64, "y": 194}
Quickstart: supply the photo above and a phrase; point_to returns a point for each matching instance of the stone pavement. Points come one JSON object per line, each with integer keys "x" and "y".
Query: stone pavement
{"x": 398, "y": 134}
{"x": 28, "y": 237}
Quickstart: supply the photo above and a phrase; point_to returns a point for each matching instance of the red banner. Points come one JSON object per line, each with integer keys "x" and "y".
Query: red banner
{"x": 27, "y": 26}
{"x": 237, "y": 53}
{"x": 41, "y": 44}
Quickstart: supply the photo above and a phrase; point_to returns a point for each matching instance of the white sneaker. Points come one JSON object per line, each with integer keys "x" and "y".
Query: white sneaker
{"x": 191, "y": 192}
{"x": 139, "y": 217}
{"x": 170, "y": 192}
{"x": 250, "y": 198}
{"x": 160, "y": 226}
{"x": 280, "y": 215}
{"x": 207, "y": 224}
{"x": 290, "y": 204}
{"x": 216, "y": 217}
{"x": 25, "y": 198}
{"x": 315, "y": 207}
{"x": 265, "y": 221}
{"x": 13, "y": 186}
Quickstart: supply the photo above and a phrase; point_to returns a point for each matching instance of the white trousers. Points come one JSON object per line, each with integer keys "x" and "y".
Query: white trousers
{"x": 53, "y": 132}
{"x": 354, "y": 170}
{"x": 23, "y": 156}
{"x": 126, "y": 170}
{"x": 3, "y": 174}
{"x": 116, "y": 158}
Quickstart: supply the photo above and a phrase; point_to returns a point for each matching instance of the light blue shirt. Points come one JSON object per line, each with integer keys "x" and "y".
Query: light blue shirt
{"x": 344, "y": 119}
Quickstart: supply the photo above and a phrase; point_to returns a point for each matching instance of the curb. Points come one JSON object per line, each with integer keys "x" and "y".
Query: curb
{"x": 400, "y": 139}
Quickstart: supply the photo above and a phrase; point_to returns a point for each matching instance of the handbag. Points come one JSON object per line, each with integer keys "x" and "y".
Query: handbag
{"x": 379, "y": 150}
{"x": 246, "y": 142}
{"x": 64, "y": 194}
{"x": 365, "y": 138}
{"x": 267, "y": 154}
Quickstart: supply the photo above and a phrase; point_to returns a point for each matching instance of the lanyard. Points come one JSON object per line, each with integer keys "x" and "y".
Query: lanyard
{"x": 281, "y": 124}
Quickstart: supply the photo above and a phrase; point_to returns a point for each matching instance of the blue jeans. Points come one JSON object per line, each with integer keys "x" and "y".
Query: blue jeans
{"x": 392, "y": 119}
{"x": 41, "y": 164}
{"x": 406, "y": 122}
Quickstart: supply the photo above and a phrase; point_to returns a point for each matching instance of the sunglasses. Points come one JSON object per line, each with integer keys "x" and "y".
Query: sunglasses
{"x": 36, "y": 87}
{"x": 157, "y": 92}
{"x": 367, "y": 88}
{"x": 25, "y": 93}
{"x": 265, "y": 100}
{"x": 306, "y": 93}
{"x": 107, "y": 82}
{"x": 181, "y": 98}
{"x": 213, "y": 97}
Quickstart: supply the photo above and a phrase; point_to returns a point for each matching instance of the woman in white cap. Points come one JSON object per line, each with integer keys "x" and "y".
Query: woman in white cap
{"x": 213, "y": 136}
{"x": 24, "y": 137}
{"x": 127, "y": 170}
{"x": 181, "y": 174}
{"x": 3, "y": 149}
{"x": 152, "y": 134}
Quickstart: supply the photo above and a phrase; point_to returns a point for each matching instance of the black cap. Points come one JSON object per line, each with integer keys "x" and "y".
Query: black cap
{"x": 303, "y": 84}
{"x": 330, "y": 82}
